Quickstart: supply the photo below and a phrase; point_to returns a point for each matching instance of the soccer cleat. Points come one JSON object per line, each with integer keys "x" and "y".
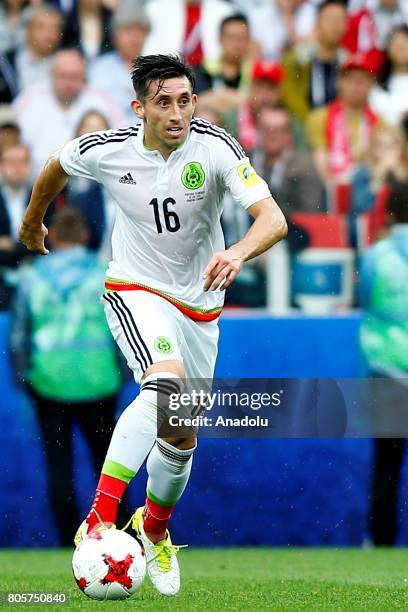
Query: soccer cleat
{"x": 162, "y": 565}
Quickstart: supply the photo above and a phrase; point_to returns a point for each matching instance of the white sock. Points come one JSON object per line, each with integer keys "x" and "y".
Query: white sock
{"x": 169, "y": 470}
{"x": 136, "y": 429}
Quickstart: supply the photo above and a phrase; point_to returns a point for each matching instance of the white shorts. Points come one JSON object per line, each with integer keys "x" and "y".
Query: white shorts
{"x": 148, "y": 329}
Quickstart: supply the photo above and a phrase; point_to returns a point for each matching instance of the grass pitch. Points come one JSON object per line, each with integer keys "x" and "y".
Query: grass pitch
{"x": 234, "y": 579}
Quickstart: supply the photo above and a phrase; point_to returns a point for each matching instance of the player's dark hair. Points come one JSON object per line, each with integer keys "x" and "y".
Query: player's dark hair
{"x": 149, "y": 68}
{"x": 240, "y": 17}
{"x": 327, "y": 3}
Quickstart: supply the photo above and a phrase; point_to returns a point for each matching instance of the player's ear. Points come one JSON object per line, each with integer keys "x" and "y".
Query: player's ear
{"x": 138, "y": 108}
{"x": 194, "y": 101}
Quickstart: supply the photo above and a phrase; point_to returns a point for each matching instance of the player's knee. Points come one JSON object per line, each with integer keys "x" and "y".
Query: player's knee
{"x": 172, "y": 365}
{"x": 162, "y": 391}
{"x": 158, "y": 391}
{"x": 164, "y": 384}
{"x": 182, "y": 443}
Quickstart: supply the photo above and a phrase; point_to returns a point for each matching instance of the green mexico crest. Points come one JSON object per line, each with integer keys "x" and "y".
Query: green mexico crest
{"x": 193, "y": 176}
{"x": 163, "y": 345}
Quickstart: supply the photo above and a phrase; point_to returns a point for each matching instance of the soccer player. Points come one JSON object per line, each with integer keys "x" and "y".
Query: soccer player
{"x": 165, "y": 284}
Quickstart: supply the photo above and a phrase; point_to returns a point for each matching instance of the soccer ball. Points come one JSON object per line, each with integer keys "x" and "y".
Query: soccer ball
{"x": 109, "y": 565}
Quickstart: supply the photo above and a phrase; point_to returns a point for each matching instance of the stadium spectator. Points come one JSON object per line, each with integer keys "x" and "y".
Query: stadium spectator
{"x": 9, "y": 130}
{"x": 385, "y": 167}
{"x": 87, "y": 28}
{"x": 15, "y": 191}
{"x": 31, "y": 63}
{"x": 64, "y": 354}
{"x": 223, "y": 83}
{"x": 90, "y": 198}
{"x": 49, "y": 113}
{"x": 290, "y": 174}
{"x": 277, "y": 25}
{"x": 340, "y": 131}
{"x": 231, "y": 69}
{"x": 311, "y": 67}
{"x": 110, "y": 73}
{"x": 11, "y": 24}
{"x": 92, "y": 121}
{"x": 384, "y": 342}
{"x": 362, "y": 36}
{"x": 265, "y": 88}
{"x": 292, "y": 180}
{"x": 391, "y": 100}
{"x": 373, "y": 20}
{"x": 190, "y": 27}
{"x": 14, "y": 186}
{"x": 387, "y": 15}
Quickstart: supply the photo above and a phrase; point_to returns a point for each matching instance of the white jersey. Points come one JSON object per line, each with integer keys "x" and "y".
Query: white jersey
{"x": 167, "y": 224}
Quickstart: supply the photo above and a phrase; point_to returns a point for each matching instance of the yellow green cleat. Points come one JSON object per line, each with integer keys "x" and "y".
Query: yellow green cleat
{"x": 162, "y": 565}
{"x": 83, "y": 533}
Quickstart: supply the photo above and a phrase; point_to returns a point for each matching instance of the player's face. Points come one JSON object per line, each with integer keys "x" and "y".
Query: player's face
{"x": 167, "y": 112}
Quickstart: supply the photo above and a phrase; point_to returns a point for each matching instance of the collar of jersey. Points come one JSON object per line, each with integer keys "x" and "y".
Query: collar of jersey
{"x": 153, "y": 153}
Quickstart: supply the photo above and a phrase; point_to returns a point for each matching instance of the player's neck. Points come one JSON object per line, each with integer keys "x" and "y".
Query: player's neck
{"x": 152, "y": 145}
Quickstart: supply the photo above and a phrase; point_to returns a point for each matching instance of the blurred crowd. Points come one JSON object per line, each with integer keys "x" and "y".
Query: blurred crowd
{"x": 315, "y": 91}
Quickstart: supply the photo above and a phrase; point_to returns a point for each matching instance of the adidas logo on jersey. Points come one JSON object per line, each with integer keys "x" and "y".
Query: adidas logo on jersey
{"x": 127, "y": 179}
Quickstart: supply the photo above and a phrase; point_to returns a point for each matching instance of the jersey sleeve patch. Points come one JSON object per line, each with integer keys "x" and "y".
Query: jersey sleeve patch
{"x": 248, "y": 175}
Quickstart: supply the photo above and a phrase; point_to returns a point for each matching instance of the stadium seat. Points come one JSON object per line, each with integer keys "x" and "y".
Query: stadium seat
{"x": 322, "y": 279}
{"x": 325, "y": 230}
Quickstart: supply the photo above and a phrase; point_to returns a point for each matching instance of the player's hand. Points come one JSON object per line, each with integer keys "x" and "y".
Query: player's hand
{"x": 222, "y": 269}
{"x": 33, "y": 237}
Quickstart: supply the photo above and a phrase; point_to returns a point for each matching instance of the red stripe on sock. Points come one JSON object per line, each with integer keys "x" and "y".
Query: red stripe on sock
{"x": 106, "y": 502}
{"x": 156, "y": 517}
{"x": 112, "y": 486}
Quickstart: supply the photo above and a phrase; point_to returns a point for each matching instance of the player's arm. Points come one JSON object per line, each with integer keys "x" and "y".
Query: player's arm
{"x": 268, "y": 228}
{"x": 49, "y": 184}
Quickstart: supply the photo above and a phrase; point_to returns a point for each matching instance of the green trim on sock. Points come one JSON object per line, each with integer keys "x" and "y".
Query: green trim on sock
{"x": 156, "y": 500}
{"x": 117, "y": 470}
